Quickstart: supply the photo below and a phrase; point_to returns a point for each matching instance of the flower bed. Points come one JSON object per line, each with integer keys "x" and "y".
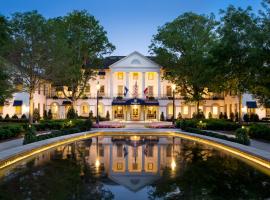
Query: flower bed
{"x": 160, "y": 126}
{"x": 108, "y": 126}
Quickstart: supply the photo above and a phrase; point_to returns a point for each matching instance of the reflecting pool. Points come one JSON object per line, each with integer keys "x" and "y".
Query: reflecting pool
{"x": 133, "y": 167}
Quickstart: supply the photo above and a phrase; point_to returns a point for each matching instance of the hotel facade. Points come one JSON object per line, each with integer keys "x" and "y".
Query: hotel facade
{"x": 131, "y": 88}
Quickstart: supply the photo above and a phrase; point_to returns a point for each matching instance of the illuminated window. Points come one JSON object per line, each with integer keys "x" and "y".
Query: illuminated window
{"x": 18, "y": 110}
{"x": 1, "y": 109}
{"x": 102, "y": 77}
{"x": 215, "y": 110}
{"x": 85, "y": 109}
{"x": 119, "y": 150}
{"x": 87, "y": 88}
{"x": 135, "y": 166}
{"x": 150, "y": 166}
{"x": 135, "y": 76}
{"x": 120, "y": 90}
{"x": 54, "y": 110}
{"x": 185, "y": 110}
{"x": 151, "y": 76}
{"x": 267, "y": 112}
{"x": 150, "y": 150}
{"x": 120, "y": 75}
{"x": 170, "y": 109}
{"x": 150, "y": 90}
{"x": 119, "y": 166}
{"x": 169, "y": 91}
{"x": 100, "y": 109}
{"x": 102, "y": 90}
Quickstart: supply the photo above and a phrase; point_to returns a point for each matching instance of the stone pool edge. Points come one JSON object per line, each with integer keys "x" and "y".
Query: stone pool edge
{"x": 16, "y": 154}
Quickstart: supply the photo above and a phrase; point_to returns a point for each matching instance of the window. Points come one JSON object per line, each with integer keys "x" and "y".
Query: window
{"x": 100, "y": 109}
{"x": 44, "y": 108}
{"x": 120, "y": 75}
{"x": 38, "y": 107}
{"x": 18, "y": 110}
{"x": 87, "y": 88}
{"x": 85, "y": 109}
{"x": 150, "y": 166}
{"x": 54, "y": 109}
{"x": 170, "y": 109}
{"x": 102, "y": 77}
{"x": 1, "y": 110}
{"x": 38, "y": 88}
{"x": 135, "y": 76}
{"x": 267, "y": 112}
{"x": 120, "y": 90}
{"x": 101, "y": 150}
{"x": 119, "y": 166}
{"x": 150, "y": 150}
{"x": 169, "y": 150}
{"x": 185, "y": 110}
{"x": 118, "y": 113}
{"x": 230, "y": 109}
{"x": 102, "y": 90}
{"x": 215, "y": 110}
{"x": 251, "y": 111}
{"x": 44, "y": 89}
{"x": 150, "y": 91}
{"x": 235, "y": 108}
{"x": 119, "y": 150}
{"x": 169, "y": 91}
{"x": 135, "y": 152}
{"x": 151, "y": 76}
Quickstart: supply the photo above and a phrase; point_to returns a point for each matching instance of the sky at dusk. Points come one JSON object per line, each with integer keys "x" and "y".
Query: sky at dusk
{"x": 130, "y": 24}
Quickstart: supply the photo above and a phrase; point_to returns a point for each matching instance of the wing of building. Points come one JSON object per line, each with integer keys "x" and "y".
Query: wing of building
{"x": 131, "y": 89}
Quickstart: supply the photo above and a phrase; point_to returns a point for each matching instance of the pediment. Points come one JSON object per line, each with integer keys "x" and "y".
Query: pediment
{"x": 136, "y": 61}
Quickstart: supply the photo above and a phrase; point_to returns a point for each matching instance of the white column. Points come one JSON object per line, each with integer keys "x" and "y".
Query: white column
{"x": 111, "y": 84}
{"x": 143, "y": 83}
{"x": 127, "y": 83}
{"x": 158, "y": 84}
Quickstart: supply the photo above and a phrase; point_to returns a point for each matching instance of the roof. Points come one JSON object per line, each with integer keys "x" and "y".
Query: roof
{"x": 113, "y": 59}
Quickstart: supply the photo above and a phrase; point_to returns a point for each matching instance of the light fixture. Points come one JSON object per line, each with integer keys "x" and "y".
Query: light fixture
{"x": 97, "y": 163}
{"x": 98, "y": 86}
{"x": 173, "y": 164}
{"x": 173, "y": 86}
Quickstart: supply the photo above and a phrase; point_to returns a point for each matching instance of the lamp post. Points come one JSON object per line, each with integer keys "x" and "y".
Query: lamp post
{"x": 173, "y": 90}
{"x": 98, "y": 88}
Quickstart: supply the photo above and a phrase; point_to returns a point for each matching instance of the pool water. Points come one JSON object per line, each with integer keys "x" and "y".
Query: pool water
{"x": 133, "y": 167}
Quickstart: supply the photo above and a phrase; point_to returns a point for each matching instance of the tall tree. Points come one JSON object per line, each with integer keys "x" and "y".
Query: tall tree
{"x": 80, "y": 42}
{"x": 183, "y": 46}
{"x": 29, "y": 51}
{"x": 237, "y": 51}
{"x": 6, "y": 88}
{"x": 261, "y": 84}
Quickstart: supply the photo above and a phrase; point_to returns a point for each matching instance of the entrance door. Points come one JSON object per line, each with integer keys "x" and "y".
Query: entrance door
{"x": 135, "y": 114}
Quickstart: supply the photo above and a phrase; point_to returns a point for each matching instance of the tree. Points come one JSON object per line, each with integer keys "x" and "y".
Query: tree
{"x": 236, "y": 52}
{"x": 28, "y": 52}
{"x": 6, "y": 88}
{"x": 80, "y": 42}
{"x": 261, "y": 84}
{"x": 183, "y": 46}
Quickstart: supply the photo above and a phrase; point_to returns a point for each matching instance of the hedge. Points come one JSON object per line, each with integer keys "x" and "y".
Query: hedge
{"x": 10, "y": 131}
{"x": 259, "y": 131}
{"x": 80, "y": 125}
{"x": 209, "y": 124}
{"x": 216, "y": 135}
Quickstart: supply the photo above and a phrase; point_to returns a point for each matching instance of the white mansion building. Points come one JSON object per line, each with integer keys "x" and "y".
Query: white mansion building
{"x": 132, "y": 88}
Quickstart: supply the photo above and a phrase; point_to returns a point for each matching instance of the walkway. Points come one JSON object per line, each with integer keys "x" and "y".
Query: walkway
{"x": 262, "y": 145}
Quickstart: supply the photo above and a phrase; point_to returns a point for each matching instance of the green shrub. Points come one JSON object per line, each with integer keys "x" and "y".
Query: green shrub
{"x": 15, "y": 117}
{"x": 71, "y": 114}
{"x": 23, "y": 117}
{"x": 219, "y": 124}
{"x": 91, "y": 115}
{"x": 179, "y": 116}
{"x": 5, "y": 134}
{"x": 232, "y": 117}
{"x": 225, "y": 116}
{"x": 49, "y": 114}
{"x": 36, "y": 115}
{"x": 183, "y": 124}
{"x": 162, "y": 118}
{"x": 259, "y": 131}
{"x": 254, "y": 117}
{"x": 107, "y": 116}
{"x": 221, "y": 115}
{"x": 10, "y": 131}
{"x": 241, "y": 136}
{"x": 199, "y": 115}
{"x": 7, "y": 116}
{"x": 246, "y": 117}
{"x": 210, "y": 116}
{"x": 30, "y": 135}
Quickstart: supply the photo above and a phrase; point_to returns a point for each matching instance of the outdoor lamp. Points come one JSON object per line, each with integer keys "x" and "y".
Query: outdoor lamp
{"x": 173, "y": 87}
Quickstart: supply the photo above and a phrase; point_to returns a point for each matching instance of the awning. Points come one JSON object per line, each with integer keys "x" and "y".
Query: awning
{"x": 251, "y": 104}
{"x": 135, "y": 101}
{"x": 17, "y": 103}
{"x": 66, "y": 103}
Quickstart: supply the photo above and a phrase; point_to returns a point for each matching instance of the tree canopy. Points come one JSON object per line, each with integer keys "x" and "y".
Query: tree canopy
{"x": 184, "y": 46}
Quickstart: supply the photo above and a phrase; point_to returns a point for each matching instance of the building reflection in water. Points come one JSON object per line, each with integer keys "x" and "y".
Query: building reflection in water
{"x": 133, "y": 162}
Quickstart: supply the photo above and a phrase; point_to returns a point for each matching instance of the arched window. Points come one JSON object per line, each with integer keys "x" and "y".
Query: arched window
{"x": 101, "y": 109}
{"x": 169, "y": 110}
